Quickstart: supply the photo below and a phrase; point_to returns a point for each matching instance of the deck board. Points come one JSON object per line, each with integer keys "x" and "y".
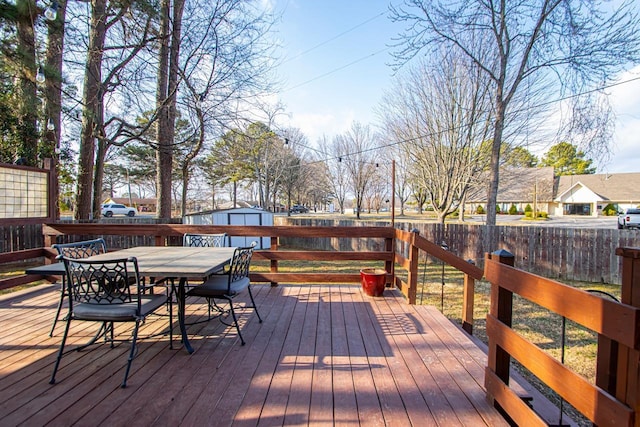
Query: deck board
{"x": 324, "y": 355}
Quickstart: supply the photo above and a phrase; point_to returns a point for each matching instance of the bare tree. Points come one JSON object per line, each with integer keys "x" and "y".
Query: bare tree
{"x": 336, "y": 170}
{"x": 401, "y": 158}
{"x": 224, "y": 62}
{"x": 101, "y": 77}
{"x": 358, "y": 152}
{"x": 565, "y": 44}
{"x": 441, "y": 114}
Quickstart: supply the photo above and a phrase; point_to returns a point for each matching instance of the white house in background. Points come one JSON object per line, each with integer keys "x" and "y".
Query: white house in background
{"x": 585, "y": 195}
{"x": 590, "y": 194}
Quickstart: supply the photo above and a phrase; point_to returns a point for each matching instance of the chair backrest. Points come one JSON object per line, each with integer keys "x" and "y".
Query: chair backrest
{"x": 240, "y": 263}
{"x": 101, "y": 282}
{"x": 83, "y": 249}
{"x": 205, "y": 240}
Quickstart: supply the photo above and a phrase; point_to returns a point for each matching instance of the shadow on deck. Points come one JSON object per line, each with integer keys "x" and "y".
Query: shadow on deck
{"x": 324, "y": 355}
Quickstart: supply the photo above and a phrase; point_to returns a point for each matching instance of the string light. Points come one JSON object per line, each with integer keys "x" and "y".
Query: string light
{"x": 200, "y": 100}
{"x": 50, "y": 125}
{"x": 51, "y": 12}
{"x": 40, "y": 78}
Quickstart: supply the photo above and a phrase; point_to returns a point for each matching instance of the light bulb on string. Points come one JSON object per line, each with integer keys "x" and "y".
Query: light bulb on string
{"x": 51, "y": 12}
{"x": 50, "y": 125}
{"x": 200, "y": 100}
{"x": 40, "y": 78}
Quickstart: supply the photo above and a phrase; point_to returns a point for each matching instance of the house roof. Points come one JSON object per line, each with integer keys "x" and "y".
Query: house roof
{"x": 619, "y": 187}
{"x": 517, "y": 185}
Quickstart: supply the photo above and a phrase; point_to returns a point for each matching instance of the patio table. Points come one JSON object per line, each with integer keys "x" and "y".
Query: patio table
{"x": 175, "y": 262}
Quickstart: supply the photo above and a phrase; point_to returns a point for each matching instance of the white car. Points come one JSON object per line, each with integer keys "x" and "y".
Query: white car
{"x": 112, "y": 209}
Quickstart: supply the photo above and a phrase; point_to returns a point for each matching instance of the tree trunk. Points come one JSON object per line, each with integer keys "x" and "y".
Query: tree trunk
{"x": 90, "y": 101}
{"x": 163, "y": 184}
{"x": 235, "y": 194}
{"x": 492, "y": 196}
{"x": 185, "y": 186}
{"x": 53, "y": 93}
{"x": 98, "y": 175}
{"x": 28, "y": 128}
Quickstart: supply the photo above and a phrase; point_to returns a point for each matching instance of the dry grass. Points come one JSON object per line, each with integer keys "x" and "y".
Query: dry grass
{"x": 12, "y": 270}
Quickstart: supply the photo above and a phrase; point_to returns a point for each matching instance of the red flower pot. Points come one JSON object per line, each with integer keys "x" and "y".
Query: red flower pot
{"x": 373, "y": 281}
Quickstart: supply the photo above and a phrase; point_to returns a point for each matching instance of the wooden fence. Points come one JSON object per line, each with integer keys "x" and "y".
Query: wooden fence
{"x": 559, "y": 253}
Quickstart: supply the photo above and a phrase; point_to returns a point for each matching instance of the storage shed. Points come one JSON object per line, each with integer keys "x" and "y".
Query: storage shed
{"x": 237, "y": 216}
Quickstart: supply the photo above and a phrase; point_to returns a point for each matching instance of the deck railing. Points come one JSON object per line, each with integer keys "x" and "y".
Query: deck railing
{"x": 612, "y": 401}
{"x": 392, "y": 249}
{"x": 616, "y": 395}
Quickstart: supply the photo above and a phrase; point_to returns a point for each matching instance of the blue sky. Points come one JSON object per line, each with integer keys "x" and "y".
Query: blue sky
{"x": 334, "y": 62}
{"x": 335, "y": 69}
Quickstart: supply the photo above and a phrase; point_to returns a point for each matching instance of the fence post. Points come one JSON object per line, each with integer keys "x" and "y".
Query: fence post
{"x": 627, "y": 373}
{"x": 413, "y": 267}
{"x": 502, "y": 309}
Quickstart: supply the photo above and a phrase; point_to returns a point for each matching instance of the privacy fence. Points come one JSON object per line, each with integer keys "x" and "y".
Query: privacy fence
{"x": 559, "y": 253}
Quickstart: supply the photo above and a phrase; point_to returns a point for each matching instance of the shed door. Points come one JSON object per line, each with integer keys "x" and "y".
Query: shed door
{"x": 245, "y": 219}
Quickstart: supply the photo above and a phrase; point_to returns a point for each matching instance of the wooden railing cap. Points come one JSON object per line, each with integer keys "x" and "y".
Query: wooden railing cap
{"x": 628, "y": 252}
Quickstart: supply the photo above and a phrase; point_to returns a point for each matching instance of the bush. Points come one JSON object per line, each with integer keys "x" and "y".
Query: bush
{"x": 528, "y": 214}
{"x": 480, "y": 210}
{"x": 529, "y": 209}
{"x": 543, "y": 215}
{"x": 498, "y": 209}
{"x": 610, "y": 210}
{"x": 513, "y": 210}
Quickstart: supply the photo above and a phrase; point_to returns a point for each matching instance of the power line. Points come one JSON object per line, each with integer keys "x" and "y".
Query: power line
{"x": 329, "y": 40}
{"x": 335, "y": 70}
{"x": 433, "y": 134}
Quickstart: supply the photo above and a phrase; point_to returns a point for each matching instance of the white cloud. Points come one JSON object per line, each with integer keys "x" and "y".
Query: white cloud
{"x": 315, "y": 125}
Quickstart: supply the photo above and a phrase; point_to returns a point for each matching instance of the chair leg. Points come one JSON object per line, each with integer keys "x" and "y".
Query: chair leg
{"x": 61, "y": 351}
{"x": 235, "y": 320}
{"x": 55, "y": 319}
{"x": 170, "y": 302}
{"x": 132, "y": 353}
{"x": 255, "y": 307}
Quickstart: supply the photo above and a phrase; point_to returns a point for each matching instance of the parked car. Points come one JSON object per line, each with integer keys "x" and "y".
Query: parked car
{"x": 112, "y": 209}
{"x": 629, "y": 219}
{"x": 298, "y": 209}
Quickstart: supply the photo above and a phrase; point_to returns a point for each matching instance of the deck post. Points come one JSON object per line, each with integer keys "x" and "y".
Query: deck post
{"x": 412, "y": 277}
{"x": 274, "y": 262}
{"x": 627, "y": 373}
{"x": 468, "y": 293}
{"x": 502, "y": 309}
{"x": 389, "y": 265}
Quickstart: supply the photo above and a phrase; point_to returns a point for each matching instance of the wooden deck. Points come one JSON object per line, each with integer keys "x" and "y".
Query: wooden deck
{"x": 325, "y": 355}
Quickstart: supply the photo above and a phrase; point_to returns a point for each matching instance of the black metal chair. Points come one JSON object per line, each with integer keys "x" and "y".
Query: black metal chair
{"x": 227, "y": 286}
{"x": 205, "y": 240}
{"x": 108, "y": 292}
{"x": 82, "y": 249}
